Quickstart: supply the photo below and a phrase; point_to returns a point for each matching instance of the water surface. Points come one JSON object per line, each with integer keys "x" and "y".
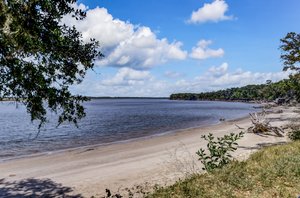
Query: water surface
{"x": 108, "y": 121}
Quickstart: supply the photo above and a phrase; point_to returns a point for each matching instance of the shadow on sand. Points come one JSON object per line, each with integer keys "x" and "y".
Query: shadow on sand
{"x": 33, "y": 188}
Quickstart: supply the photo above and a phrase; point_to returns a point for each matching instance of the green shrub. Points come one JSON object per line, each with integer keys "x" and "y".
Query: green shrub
{"x": 219, "y": 152}
{"x": 294, "y": 135}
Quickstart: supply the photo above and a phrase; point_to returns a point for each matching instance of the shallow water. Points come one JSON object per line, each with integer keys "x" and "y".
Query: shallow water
{"x": 108, "y": 121}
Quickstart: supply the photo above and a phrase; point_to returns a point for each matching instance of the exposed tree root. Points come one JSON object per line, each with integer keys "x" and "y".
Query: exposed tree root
{"x": 262, "y": 125}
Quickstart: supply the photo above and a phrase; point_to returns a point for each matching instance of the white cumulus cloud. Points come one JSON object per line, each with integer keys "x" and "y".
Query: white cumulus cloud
{"x": 213, "y": 12}
{"x": 127, "y": 76}
{"x": 243, "y": 78}
{"x": 201, "y": 51}
{"x": 220, "y": 77}
{"x": 143, "y": 50}
{"x": 218, "y": 71}
{"x": 130, "y": 82}
{"x": 125, "y": 44}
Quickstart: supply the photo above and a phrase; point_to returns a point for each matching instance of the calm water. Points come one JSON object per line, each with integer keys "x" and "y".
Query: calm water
{"x": 109, "y": 121}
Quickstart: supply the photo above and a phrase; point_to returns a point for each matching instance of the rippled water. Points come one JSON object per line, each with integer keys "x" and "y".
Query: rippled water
{"x": 107, "y": 121}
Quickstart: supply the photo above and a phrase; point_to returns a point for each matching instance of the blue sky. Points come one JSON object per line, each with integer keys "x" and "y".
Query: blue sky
{"x": 155, "y": 48}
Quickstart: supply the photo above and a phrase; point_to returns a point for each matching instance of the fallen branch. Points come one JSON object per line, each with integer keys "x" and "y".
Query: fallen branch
{"x": 262, "y": 125}
{"x": 239, "y": 127}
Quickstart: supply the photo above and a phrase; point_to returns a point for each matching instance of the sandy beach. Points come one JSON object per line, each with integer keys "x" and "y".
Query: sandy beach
{"x": 159, "y": 160}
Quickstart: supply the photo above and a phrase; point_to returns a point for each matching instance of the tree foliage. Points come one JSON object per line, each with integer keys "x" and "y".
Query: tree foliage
{"x": 290, "y": 47}
{"x": 291, "y": 51}
{"x": 40, "y": 58}
{"x": 265, "y": 92}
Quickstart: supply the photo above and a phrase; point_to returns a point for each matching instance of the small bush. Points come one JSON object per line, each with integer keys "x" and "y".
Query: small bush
{"x": 219, "y": 151}
{"x": 294, "y": 135}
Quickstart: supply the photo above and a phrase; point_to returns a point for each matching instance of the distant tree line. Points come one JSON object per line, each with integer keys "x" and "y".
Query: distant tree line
{"x": 287, "y": 88}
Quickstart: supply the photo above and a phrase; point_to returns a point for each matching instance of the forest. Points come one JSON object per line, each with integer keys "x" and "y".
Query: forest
{"x": 287, "y": 89}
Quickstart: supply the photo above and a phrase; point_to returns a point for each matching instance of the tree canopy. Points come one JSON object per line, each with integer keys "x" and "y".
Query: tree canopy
{"x": 40, "y": 57}
{"x": 290, "y": 46}
{"x": 264, "y": 92}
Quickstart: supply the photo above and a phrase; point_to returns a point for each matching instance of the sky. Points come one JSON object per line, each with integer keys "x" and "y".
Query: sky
{"x": 155, "y": 48}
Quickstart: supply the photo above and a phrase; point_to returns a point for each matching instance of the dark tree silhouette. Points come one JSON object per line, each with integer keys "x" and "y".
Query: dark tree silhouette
{"x": 290, "y": 46}
{"x": 40, "y": 57}
{"x": 291, "y": 51}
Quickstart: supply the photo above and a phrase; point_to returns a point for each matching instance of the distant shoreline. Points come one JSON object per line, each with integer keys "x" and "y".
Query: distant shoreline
{"x": 225, "y": 100}
{"x": 155, "y": 98}
{"x": 94, "y": 97}
{"x": 109, "y": 97}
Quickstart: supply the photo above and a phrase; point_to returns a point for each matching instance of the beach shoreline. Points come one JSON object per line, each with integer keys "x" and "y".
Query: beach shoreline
{"x": 153, "y": 160}
{"x": 119, "y": 142}
{"x": 124, "y": 122}
{"x": 128, "y": 141}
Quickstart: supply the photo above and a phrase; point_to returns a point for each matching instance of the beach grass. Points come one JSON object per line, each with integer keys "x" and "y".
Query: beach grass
{"x": 270, "y": 172}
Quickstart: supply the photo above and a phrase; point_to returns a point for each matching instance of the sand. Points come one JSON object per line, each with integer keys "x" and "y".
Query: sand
{"x": 159, "y": 160}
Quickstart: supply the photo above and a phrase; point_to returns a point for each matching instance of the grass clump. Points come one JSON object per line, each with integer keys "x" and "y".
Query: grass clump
{"x": 270, "y": 172}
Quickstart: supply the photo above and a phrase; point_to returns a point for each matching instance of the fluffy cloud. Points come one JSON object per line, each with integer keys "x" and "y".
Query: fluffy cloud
{"x": 144, "y": 50}
{"x": 219, "y": 78}
{"x": 203, "y": 52}
{"x": 127, "y": 76}
{"x": 130, "y": 82}
{"x": 242, "y": 78}
{"x": 125, "y": 44}
{"x": 214, "y": 12}
{"x": 218, "y": 71}
{"x": 123, "y": 84}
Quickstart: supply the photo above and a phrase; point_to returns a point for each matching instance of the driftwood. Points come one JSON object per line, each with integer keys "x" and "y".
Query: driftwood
{"x": 239, "y": 127}
{"x": 262, "y": 125}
